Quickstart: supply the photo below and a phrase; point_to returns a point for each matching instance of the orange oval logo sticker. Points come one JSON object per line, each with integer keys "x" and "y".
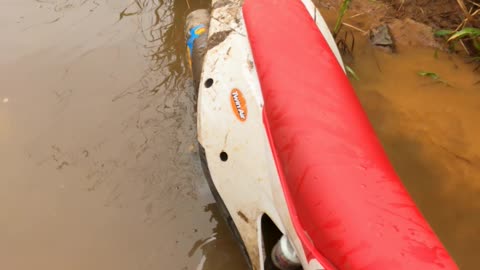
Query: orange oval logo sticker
{"x": 239, "y": 105}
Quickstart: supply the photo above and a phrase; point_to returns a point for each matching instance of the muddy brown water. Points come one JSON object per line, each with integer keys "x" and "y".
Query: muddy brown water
{"x": 98, "y": 162}
{"x": 98, "y": 159}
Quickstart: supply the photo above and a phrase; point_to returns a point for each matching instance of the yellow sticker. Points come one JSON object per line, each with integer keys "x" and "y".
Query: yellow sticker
{"x": 189, "y": 58}
{"x": 200, "y": 31}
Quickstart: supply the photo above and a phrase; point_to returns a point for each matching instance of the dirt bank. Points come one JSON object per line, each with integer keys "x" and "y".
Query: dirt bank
{"x": 438, "y": 14}
{"x": 412, "y": 23}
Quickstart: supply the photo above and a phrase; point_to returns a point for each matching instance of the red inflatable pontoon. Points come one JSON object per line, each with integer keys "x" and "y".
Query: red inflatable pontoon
{"x": 348, "y": 206}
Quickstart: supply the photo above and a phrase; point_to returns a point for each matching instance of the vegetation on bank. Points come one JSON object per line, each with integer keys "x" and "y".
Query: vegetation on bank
{"x": 345, "y": 47}
{"x": 467, "y": 34}
{"x": 460, "y": 31}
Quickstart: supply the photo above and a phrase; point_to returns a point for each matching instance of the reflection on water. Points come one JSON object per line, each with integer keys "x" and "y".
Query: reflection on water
{"x": 218, "y": 252}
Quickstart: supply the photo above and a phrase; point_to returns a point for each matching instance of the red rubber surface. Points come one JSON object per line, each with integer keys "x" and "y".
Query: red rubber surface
{"x": 341, "y": 189}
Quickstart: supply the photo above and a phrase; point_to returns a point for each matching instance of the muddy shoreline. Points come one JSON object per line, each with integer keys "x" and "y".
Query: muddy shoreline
{"x": 412, "y": 23}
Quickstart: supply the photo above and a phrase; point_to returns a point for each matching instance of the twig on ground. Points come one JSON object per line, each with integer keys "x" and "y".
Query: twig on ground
{"x": 355, "y": 28}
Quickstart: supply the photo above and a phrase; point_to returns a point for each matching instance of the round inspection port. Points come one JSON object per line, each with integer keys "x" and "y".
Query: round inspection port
{"x": 209, "y": 83}
{"x": 223, "y": 156}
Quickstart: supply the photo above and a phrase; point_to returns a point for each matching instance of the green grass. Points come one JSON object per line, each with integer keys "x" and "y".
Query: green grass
{"x": 342, "y": 42}
{"x": 467, "y": 35}
{"x": 469, "y": 32}
{"x": 351, "y": 72}
{"x": 434, "y": 76}
{"x": 341, "y": 13}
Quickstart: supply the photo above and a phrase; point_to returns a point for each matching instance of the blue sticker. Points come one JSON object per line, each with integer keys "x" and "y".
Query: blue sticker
{"x": 195, "y": 33}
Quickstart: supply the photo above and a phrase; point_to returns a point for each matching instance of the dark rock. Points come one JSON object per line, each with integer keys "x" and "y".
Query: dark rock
{"x": 381, "y": 38}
